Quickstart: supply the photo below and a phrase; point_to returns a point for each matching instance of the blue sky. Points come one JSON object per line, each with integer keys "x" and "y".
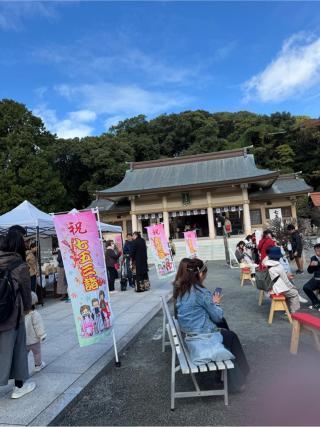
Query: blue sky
{"x": 83, "y": 66}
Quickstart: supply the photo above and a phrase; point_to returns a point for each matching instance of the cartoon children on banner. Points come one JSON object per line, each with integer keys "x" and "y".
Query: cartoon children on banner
{"x": 161, "y": 251}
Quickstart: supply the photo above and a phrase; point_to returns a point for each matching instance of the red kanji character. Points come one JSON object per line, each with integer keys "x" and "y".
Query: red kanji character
{"x": 75, "y": 228}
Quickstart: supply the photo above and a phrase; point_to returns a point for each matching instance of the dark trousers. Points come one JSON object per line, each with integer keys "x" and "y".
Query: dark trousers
{"x": 237, "y": 375}
{"x": 112, "y": 276}
{"x": 33, "y": 283}
{"x": 309, "y": 289}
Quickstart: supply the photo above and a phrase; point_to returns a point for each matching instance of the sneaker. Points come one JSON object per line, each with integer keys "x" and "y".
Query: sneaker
{"x": 315, "y": 307}
{"x": 113, "y": 292}
{"x": 25, "y": 389}
{"x": 39, "y": 367}
{"x": 299, "y": 272}
{"x": 67, "y": 300}
{"x": 302, "y": 300}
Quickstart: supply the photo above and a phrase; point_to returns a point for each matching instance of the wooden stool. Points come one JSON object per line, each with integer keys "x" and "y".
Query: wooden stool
{"x": 245, "y": 274}
{"x": 278, "y": 303}
{"x": 304, "y": 322}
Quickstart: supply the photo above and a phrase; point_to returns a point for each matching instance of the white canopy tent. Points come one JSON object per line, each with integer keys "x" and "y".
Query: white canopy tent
{"x": 33, "y": 220}
{"x": 39, "y": 224}
{"x": 29, "y": 217}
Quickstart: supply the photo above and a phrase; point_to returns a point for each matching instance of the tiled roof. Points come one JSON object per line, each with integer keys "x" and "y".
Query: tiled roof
{"x": 201, "y": 170}
{"x": 315, "y": 197}
{"x": 285, "y": 184}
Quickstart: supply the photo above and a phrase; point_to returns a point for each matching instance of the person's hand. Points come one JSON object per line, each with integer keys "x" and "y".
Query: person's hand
{"x": 314, "y": 263}
{"x": 295, "y": 254}
{"x": 290, "y": 276}
{"x": 216, "y": 298}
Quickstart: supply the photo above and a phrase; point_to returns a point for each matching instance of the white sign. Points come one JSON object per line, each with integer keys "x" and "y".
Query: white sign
{"x": 275, "y": 213}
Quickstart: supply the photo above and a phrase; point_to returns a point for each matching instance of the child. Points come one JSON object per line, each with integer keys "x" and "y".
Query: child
{"x": 35, "y": 333}
{"x": 104, "y": 306}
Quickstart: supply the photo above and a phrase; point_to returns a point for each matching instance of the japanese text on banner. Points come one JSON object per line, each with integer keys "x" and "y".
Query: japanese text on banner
{"x": 160, "y": 250}
{"x": 84, "y": 268}
{"x": 190, "y": 238}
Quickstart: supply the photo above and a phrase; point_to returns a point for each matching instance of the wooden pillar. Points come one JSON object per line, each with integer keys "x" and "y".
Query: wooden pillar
{"x": 246, "y": 210}
{"x": 133, "y": 215}
{"x": 294, "y": 209}
{"x": 212, "y": 231}
{"x": 124, "y": 227}
{"x": 165, "y": 215}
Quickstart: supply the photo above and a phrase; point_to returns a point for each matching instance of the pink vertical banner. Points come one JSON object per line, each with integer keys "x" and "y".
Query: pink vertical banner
{"x": 84, "y": 265}
{"x": 160, "y": 250}
{"x": 190, "y": 238}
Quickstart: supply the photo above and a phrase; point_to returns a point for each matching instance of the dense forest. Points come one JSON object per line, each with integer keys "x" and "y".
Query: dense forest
{"x": 58, "y": 174}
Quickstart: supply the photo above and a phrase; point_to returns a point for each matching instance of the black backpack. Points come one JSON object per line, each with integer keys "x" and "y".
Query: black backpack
{"x": 8, "y": 293}
{"x": 264, "y": 281}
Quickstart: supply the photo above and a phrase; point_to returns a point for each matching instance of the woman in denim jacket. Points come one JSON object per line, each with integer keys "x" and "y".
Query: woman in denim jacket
{"x": 200, "y": 315}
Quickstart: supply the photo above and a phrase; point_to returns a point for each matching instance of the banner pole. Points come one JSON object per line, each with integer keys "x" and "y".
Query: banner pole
{"x": 118, "y": 363}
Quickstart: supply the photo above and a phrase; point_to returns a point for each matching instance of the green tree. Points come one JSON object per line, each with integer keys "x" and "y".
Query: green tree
{"x": 27, "y": 170}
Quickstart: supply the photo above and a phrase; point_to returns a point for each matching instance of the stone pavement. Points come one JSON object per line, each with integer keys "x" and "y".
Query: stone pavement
{"x": 282, "y": 389}
{"x": 70, "y": 368}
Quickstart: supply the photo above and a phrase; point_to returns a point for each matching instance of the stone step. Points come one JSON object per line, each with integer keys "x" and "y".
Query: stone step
{"x": 210, "y": 250}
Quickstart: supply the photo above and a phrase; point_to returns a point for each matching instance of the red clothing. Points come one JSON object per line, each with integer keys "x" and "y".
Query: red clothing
{"x": 264, "y": 244}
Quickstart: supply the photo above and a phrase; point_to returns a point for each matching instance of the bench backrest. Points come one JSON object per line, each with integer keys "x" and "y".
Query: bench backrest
{"x": 178, "y": 345}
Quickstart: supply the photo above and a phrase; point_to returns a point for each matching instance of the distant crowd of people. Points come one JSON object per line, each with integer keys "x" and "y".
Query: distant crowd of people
{"x": 274, "y": 256}
{"x": 134, "y": 263}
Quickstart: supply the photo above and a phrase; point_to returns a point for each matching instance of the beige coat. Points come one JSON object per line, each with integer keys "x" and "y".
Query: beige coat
{"x": 32, "y": 263}
{"x": 34, "y": 327}
{"x": 283, "y": 284}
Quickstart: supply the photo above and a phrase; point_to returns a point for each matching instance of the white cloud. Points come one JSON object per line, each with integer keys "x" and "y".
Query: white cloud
{"x": 87, "y": 57}
{"x": 83, "y": 116}
{"x": 14, "y": 13}
{"x": 75, "y": 124}
{"x": 124, "y": 100}
{"x": 293, "y": 72}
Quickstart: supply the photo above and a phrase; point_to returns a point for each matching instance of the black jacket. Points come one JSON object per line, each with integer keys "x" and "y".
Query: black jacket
{"x": 111, "y": 257}
{"x": 296, "y": 242}
{"x": 139, "y": 255}
{"x": 128, "y": 247}
{"x": 22, "y": 283}
{"x": 314, "y": 269}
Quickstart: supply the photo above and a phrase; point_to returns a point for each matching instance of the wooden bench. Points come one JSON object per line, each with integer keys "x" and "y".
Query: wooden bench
{"x": 304, "y": 322}
{"x": 180, "y": 352}
{"x": 278, "y": 303}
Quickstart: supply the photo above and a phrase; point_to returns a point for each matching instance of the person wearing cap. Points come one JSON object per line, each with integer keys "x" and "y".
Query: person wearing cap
{"x": 282, "y": 284}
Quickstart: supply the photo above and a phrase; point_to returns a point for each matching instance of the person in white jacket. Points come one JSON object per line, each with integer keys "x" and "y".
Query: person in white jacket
{"x": 35, "y": 334}
{"x": 282, "y": 285}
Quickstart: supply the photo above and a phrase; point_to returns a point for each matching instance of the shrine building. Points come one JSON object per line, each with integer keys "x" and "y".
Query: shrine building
{"x": 198, "y": 192}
